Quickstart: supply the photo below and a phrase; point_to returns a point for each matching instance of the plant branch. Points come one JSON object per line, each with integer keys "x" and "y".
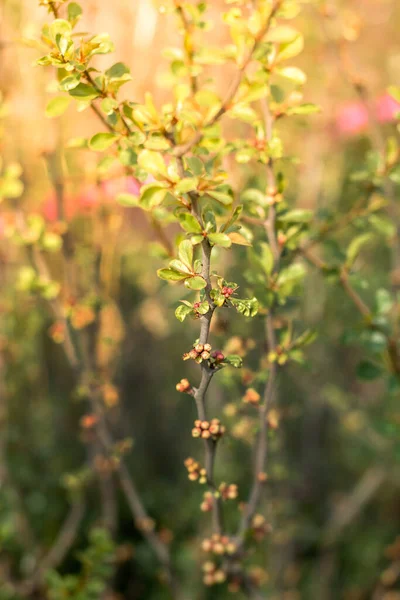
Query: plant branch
{"x": 188, "y": 44}
{"x": 270, "y": 388}
{"x": 180, "y": 150}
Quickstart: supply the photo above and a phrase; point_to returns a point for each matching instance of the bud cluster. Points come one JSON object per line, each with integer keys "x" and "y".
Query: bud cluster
{"x": 228, "y": 491}
{"x": 184, "y": 386}
{"x": 225, "y": 491}
{"x": 88, "y": 421}
{"x": 208, "y": 429}
{"x": 198, "y": 353}
{"x": 260, "y": 527}
{"x": 251, "y": 397}
{"x": 212, "y": 574}
{"x": 227, "y": 291}
{"x": 219, "y": 544}
{"x": 272, "y": 196}
{"x": 195, "y": 470}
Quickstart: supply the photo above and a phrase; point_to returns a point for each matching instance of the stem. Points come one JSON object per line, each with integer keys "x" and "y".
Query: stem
{"x": 188, "y": 45}
{"x": 270, "y": 388}
{"x": 206, "y": 373}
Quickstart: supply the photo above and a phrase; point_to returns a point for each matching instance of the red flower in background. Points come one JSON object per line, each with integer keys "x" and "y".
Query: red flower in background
{"x": 352, "y": 118}
{"x": 90, "y": 197}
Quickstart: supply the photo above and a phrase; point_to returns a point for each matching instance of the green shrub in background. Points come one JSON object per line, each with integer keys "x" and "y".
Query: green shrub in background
{"x": 244, "y": 248}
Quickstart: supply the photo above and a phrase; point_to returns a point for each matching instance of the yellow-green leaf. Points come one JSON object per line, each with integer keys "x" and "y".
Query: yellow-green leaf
{"x": 57, "y": 106}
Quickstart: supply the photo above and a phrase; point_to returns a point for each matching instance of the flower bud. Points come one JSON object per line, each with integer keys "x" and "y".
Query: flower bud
{"x": 199, "y": 348}
{"x": 205, "y": 355}
{"x": 207, "y": 347}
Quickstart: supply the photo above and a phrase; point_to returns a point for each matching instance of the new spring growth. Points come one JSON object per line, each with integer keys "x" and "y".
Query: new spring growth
{"x": 219, "y": 544}
{"x": 260, "y": 527}
{"x": 198, "y": 353}
{"x": 251, "y": 397}
{"x": 208, "y": 429}
{"x": 225, "y": 491}
{"x": 184, "y": 387}
{"x": 212, "y": 573}
{"x": 195, "y": 470}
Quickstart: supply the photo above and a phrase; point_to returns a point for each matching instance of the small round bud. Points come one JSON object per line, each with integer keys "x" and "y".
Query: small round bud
{"x": 199, "y": 348}
{"x": 204, "y": 424}
{"x": 208, "y": 566}
{"x": 207, "y": 347}
{"x": 205, "y": 434}
{"x": 196, "y": 432}
{"x": 219, "y": 576}
{"x": 205, "y": 355}
{"x": 218, "y": 548}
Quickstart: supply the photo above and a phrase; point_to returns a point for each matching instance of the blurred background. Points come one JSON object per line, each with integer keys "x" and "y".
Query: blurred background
{"x": 334, "y": 485}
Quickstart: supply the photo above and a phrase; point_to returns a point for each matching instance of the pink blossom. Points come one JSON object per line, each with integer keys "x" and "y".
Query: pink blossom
{"x": 352, "y": 118}
{"x": 387, "y": 108}
{"x": 90, "y": 197}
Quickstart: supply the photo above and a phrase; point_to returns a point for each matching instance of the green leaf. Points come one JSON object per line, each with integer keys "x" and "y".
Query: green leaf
{"x": 282, "y": 34}
{"x": 102, "y": 141}
{"x": 290, "y": 49}
{"x": 181, "y": 267}
{"x": 265, "y": 257}
{"x": 195, "y": 283}
{"x": 293, "y": 73}
{"x": 222, "y": 197}
{"x": 185, "y": 252}
{"x": 189, "y": 223}
{"x": 234, "y": 360}
{"x": 74, "y": 12}
{"x": 83, "y": 91}
{"x": 57, "y": 106}
{"x": 117, "y": 71}
{"x": 196, "y": 239}
{"x": 109, "y": 105}
{"x": 182, "y": 312}
{"x": 253, "y": 195}
{"x": 247, "y": 307}
{"x": 152, "y": 195}
{"x": 234, "y": 217}
{"x": 368, "y": 371}
{"x": 355, "y": 247}
{"x": 194, "y": 165}
{"x": 203, "y": 308}
{"x": 186, "y": 185}
{"x": 152, "y": 162}
{"x": 128, "y": 200}
{"x": 303, "y": 109}
{"x": 220, "y": 239}
{"x": 297, "y": 216}
{"x": 170, "y": 275}
{"x": 292, "y": 273}
{"x": 70, "y": 82}
{"x": 60, "y": 27}
{"x": 384, "y": 301}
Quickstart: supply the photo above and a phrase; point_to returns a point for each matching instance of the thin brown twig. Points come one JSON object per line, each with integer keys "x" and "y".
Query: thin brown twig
{"x": 188, "y": 45}
{"x": 270, "y": 388}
